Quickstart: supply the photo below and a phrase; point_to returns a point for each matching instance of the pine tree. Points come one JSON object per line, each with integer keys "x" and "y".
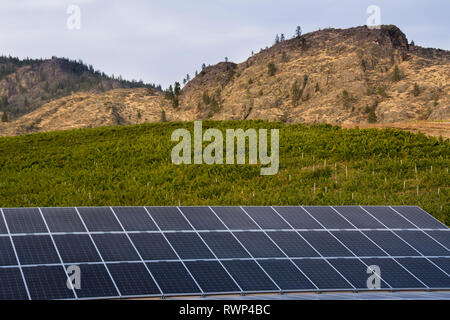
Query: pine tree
{"x": 277, "y": 39}
{"x": 271, "y": 69}
{"x": 203, "y": 66}
{"x": 416, "y": 90}
{"x": 226, "y": 59}
{"x": 4, "y": 117}
{"x": 298, "y": 32}
{"x": 282, "y": 38}
{"x": 396, "y": 76}
{"x": 188, "y": 77}
{"x": 177, "y": 89}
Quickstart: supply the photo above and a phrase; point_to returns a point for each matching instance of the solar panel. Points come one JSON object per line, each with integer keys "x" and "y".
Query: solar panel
{"x": 76, "y": 248}
{"x": 132, "y": 279}
{"x": 224, "y": 245}
{"x": 95, "y": 282}
{"x": 23, "y": 220}
{"x": 134, "y": 219}
{"x": 258, "y": 244}
{"x": 327, "y": 217}
{"x": 177, "y": 251}
{"x": 388, "y": 217}
{"x": 63, "y": 220}
{"x": 297, "y": 218}
{"x": 418, "y": 217}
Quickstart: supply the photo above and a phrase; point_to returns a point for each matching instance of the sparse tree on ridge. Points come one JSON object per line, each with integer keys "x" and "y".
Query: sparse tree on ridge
{"x": 177, "y": 89}
{"x": 282, "y": 38}
{"x": 277, "y": 39}
{"x": 188, "y": 77}
{"x": 298, "y": 32}
{"x": 203, "y": 66}
{"x": 226, "y": 59}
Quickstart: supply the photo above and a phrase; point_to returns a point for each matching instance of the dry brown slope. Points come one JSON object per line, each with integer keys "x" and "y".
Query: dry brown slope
{"x": 85, "y": 110}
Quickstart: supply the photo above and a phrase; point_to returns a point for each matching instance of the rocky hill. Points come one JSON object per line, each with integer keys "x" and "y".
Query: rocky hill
{"x": 341, "y": 76}
{"x": 25, "y": 85}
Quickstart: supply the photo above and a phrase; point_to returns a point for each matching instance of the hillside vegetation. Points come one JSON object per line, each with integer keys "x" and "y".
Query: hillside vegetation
{"x": 319, "y": 165}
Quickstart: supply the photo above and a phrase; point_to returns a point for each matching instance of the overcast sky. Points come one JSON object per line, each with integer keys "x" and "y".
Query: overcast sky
{"x": 161, "y": 41}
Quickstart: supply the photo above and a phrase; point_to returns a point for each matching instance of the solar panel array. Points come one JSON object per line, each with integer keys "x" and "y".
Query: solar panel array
{"x": 175, "y": 251}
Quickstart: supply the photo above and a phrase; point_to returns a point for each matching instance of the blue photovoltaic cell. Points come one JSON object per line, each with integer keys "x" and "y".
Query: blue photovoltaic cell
{"x": 325, "y": 243}
{"x": 249, "y": 275}
{"x": 47, "y": 283}
{"x": 3, "y": 229}
{"x": 11, "y": 285}
{"x": 426, "y": 272}
{"x": 99, "y": 219}
{"x": 35, "y": 250}
{"x": 394, "y": 274}
{"x": 328, "y": 217}
{"x": 443, "y": 237}
{"x": 173, "y": 278}
{"x": 389, "y": 217}
{"x": 359, "y": 244}
{"x": 224, "y": 245}
{"x": 355, "y": 272}
{"x": 424, "y": 244}
{"x": 131, "y": 242}
{"x": 258, "y": 244}
{"x": 202, "y": 218}
{"x": 266, "y": 218}
{"x": 212, "y": 277}
{"x": 443, "y": 263}
{"x": 286, "y": 275}
{"x": 115, "y": 247}
{"x": 153, "y": 246}
{"x": 133, "y": 279}
{"x": 169, "y": 218}
{"x": 189, "y": 246}
{"x": 235, "y": 219}
{"x": 322, "y": 274}
{"x": 7, "y": 256}
{"x": 292, "y": 244}
{"x": 24, "y": 220}
{"x": 134, "y": 219}
{"x": 76, "y": 248}
{"x": 95, "y": 282}
{"x": 63, "y": 220}
{"x": 359, "y": 218}
{"x": 420, "y": 218}
{"x": 393, "y": 245}
{"x": 298, "y": 218}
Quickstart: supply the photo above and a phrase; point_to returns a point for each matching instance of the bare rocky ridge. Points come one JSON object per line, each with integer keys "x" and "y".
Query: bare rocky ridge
{"x": 28, "y": 84}
{"x": 339, "y": 76}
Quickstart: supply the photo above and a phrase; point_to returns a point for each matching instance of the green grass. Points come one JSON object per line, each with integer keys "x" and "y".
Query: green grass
{"x": 132, "y": 166}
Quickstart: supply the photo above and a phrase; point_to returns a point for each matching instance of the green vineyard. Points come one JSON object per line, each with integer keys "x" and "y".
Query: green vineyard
{"x": 319, "y": 165}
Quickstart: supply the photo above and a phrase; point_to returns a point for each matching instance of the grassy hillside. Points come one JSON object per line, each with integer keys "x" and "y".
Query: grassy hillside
{"x": 132, "y": 166}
